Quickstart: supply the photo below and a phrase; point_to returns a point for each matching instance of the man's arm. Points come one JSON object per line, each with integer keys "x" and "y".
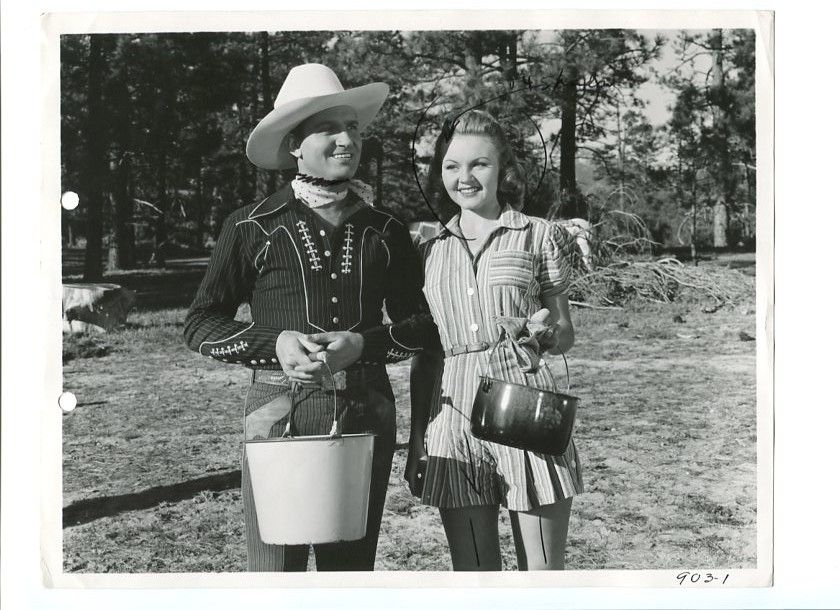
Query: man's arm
{"x": 210, "y": 328}
{"x": 413, "y": 329}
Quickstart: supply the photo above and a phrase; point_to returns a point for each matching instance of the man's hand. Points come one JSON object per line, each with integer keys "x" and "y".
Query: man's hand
{"x": 293, "y": 351}
{"x": 342, "y": 348}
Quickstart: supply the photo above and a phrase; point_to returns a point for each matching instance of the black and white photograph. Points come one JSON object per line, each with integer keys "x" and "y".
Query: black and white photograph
{"x": 430, "y": 300}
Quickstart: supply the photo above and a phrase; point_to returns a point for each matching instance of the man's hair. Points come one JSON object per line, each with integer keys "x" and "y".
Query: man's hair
{"x": 511, "y": 187}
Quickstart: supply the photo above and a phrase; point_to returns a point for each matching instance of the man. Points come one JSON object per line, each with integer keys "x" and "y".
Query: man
{"x": 316, "y": 262}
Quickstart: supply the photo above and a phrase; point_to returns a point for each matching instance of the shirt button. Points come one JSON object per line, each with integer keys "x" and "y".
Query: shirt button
{"x": 322, "y": 232}
{"x": 335, "y": 299}
{"x": 253, "y": 361}
{"x": 470, "y": 291}
{"x": 335, "y": 320}
{"x": 334, "y": 276}
{"x": 474, "y": 327}
{"x": 274, "y": 359}
{"x": 262, "y": 361}
{"x": 327, "y": 253}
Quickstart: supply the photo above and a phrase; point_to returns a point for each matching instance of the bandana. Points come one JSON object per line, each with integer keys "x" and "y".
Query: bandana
{"x": 317, "y": 192}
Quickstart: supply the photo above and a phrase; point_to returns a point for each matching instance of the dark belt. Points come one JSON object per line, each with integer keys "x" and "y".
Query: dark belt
{"x": 457, "y": 350}
{"x": 278, "y": 377}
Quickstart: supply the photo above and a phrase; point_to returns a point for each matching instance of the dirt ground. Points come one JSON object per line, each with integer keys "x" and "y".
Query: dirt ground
{"x": 666, "y": 431}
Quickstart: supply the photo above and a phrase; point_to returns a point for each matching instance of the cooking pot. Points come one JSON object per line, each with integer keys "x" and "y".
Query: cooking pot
{"x": 522, "y": 416}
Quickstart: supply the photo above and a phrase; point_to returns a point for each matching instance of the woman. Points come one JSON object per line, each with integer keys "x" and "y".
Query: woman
{"x": 493, "y": 272}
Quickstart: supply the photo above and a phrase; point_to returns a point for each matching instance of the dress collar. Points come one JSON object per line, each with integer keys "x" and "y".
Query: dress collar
{"x": 509, "y": 219}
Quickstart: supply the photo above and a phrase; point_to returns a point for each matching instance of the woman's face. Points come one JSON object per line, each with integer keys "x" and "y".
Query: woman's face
{"x": 331, "y": 144}
{"x": 470, "y": 173}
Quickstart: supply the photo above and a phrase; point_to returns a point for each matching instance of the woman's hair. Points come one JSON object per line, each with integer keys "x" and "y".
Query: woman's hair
{"x": 511, "y": 187}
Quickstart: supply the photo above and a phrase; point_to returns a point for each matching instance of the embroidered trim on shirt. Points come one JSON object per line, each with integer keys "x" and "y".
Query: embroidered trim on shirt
{"x": 347, "y": 256}
{"x": 259, "y": 266}
{"x": 229, "y": 350}
{"x": 311, "y": 250}
{"x": 393, "y": 353}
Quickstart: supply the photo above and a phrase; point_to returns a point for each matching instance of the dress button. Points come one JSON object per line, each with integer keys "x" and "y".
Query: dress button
{"x": 335, "y": 299}
{"x": 262, "y": 361}
{"x": 274, "y": 360}
{"x": 334, "y": 276}
{"x": 322, "y": 232}
{"x": 327, "y": 253}
{"x": 335, "y": 320}
{"x": 474, "y": 327}
{"x": 470, "y": 291}
{"x": 253, "y": 361}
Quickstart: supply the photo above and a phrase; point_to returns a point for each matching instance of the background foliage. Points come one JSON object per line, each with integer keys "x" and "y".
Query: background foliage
{"x": 154, "y": 126}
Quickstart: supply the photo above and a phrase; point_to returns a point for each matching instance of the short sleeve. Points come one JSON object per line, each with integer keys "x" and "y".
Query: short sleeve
{"x": 555, "y": 265}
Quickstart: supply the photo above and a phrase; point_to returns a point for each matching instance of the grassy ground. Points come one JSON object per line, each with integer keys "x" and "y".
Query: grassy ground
{"x": 666, "y": 432}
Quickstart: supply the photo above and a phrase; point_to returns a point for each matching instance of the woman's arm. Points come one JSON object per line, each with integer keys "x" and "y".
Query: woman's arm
{"x": 426, "y": 371}
{"x": 561, "y": 337}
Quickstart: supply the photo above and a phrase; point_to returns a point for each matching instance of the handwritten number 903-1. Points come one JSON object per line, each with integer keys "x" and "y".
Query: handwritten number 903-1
{"x": 699, "y": 578}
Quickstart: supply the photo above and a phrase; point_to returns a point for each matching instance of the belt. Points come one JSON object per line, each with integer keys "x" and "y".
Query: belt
{"x": 457, "y": 350}
{"x": 278, "y": 377}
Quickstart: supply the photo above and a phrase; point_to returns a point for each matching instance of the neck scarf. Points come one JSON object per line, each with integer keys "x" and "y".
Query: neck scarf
{"x": 317, "y": 192}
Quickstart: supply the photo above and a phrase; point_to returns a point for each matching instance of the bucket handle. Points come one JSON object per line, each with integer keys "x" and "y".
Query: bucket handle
{"x": 295, "y": 389}
{"x": 503, "y": 336}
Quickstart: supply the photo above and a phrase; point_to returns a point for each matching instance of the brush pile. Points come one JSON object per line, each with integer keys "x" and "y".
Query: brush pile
{"x": 620, "y": 270}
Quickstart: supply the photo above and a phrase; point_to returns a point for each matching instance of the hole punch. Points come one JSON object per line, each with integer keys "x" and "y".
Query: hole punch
{"x": 69, "y": 200}
{"x": 67, "y": 401}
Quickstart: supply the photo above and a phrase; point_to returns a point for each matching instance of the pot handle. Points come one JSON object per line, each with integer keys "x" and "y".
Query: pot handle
{"x": 295, "y": 390}
{"x": 502, "y": 337}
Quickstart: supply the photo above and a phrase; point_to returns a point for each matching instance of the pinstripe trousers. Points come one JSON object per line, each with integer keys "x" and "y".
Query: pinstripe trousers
{"x": 367, "y": 405}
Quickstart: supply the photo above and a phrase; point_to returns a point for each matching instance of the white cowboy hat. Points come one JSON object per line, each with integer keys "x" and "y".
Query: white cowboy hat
{"x": 307, "y": 90}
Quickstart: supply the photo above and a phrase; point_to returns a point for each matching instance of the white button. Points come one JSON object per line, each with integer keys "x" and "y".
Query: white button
{"x": 327, "y": 253}
{"x": 253, "y": 361}
{"x": 335, "y": 299}
{"x": 262, "y": 361}
{"x": 474, "y": 327}
{"x": 334, "y": 276}
{"x": 470, "y": 291}
{"x": 335, "y": 320}
{"x": 274, "y": 359}
{"x": 322, "y": 232}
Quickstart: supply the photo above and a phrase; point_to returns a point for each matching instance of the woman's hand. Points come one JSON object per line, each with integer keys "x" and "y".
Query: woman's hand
{"x": 560, "y": 336}
{"x": 415, "y": 466}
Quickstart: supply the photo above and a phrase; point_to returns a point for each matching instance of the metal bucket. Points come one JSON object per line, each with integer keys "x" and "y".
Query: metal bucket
{"x": 311, "y": 489}
{"x": 522, "y": 416}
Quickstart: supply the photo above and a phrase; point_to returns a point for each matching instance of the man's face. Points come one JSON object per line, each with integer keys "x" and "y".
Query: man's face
{"x": 330, "y": 144}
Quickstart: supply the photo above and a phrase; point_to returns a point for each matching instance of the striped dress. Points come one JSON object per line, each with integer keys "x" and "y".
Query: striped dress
{"x": 525, "y": 259}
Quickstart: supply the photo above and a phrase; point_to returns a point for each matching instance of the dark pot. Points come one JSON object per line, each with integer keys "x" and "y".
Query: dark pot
{"x": 520, "y": 416}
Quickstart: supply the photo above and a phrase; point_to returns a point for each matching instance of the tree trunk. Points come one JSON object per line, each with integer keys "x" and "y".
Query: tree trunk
{"x": 507, "y": 59}
{"x": 472, "y": 60}
{"x": 568, "y": 118}
{"x": 720, "y": 224}
{"x": 266, "y": 180}
{"x": 96, "y": 163}
{"x": 125, "y": 256}
{"x": 721, "y": 216}
{"x": 159, "y": 253}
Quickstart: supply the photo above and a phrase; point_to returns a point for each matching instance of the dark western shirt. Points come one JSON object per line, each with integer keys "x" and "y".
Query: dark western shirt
{"x": 299, "y": 273}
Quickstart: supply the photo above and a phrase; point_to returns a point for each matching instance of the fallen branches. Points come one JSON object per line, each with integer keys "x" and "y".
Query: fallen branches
{"x": 661, "y": 281}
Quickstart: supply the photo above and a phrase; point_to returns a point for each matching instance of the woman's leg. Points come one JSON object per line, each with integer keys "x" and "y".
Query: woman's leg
{"x": 539, "y": 536}
{"x": 473, "y": 536}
